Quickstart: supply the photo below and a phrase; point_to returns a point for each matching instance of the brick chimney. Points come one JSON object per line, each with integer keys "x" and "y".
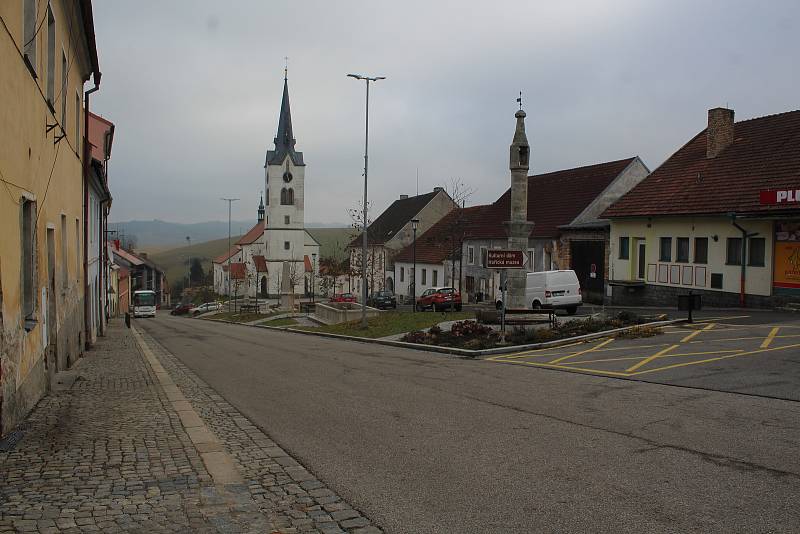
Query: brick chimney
{"x": 720, "y": 131}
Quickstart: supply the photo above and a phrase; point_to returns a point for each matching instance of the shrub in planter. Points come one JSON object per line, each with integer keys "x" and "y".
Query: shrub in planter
{"x": 435, "y": 330}
{"x": 417, "y": 336}
{"x": 470, "y": 329}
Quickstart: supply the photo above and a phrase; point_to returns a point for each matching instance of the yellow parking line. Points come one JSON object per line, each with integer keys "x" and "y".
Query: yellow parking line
{"x": 549, "y": 366}
{"x": 670, "y": 355}
{"x": 603, "y": 344}
{"x": 697, "y": 332}
{"x": 772, "y": 333}
{"x": 650, "y": 358}
{"x": 535, "y": 351}
{"x": 706, "y": 319}
{"x": 684, "y": 364}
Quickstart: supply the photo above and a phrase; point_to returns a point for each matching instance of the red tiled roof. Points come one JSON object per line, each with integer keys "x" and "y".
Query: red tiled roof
{"x": 238, "y": 271}
{"x": 554, "y": 199}
{"x": 436, "y": 245}
{"x": 765, "y": 154}
{"x": 224, "y": 257}
{"x": 127, "y": 256}
{"x": 252, "y": 234}
{"x": 307, "y": 264}
{"x": 261, "y": 264}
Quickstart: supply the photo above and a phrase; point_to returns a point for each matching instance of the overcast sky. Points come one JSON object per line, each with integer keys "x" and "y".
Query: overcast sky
{"x": 194, "y": 89}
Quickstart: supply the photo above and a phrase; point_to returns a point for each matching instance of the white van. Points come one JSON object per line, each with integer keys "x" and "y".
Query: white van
{"x": 553, "y": 289}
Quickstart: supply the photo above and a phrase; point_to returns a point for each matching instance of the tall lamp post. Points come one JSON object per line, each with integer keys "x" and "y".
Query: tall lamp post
{"x": 230, "y": 201}
{"x": 414, "y": 224}
{"x": 364, "y": 226}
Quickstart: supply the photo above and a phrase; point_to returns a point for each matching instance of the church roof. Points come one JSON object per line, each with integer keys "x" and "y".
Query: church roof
{"x": 227, "y": 255}
{"x": 284, "y": 139}
{"x": 260, "y": 263}
{"x": 254, "y": 233}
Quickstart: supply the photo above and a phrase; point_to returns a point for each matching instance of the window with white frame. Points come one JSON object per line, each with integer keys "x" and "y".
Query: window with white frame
{"x": 63, "y": 94}
{"x": 402, "y": 274}
{"x": 64, "y": 253}
{"x": 424, "y": 276}
{"x": 471, "y": 255}
{"x": 532, "y": 259}
{"x": 435, "y": 277}
{"x": 484, "y": 256}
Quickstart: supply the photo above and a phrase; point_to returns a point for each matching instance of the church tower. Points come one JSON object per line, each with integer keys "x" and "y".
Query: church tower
{"x": 261, "y": 210}
{"x": 519, "y": 229}
{"x": 284, "y": 185}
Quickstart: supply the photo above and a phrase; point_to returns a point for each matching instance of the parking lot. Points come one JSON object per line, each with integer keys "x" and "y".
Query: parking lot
{"x": 755, "y": 353}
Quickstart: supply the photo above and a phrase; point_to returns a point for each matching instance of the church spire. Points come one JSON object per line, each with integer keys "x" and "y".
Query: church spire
{"x": 284, "y": 139}
{"x": 261, "y": 209}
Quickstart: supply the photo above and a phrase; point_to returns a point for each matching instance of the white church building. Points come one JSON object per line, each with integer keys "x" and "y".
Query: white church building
{"x": 279, "y": 236}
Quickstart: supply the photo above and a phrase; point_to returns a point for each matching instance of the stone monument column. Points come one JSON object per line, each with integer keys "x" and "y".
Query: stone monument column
{"x": 518, "y": 227}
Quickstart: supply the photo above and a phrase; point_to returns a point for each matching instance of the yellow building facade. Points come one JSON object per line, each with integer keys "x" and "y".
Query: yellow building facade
{"x": 47, "y": 53}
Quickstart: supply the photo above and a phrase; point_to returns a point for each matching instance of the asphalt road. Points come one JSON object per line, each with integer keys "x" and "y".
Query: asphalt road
{"x": 425, "y": 443}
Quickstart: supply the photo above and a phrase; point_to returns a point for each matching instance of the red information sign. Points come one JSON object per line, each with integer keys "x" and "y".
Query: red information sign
{"x": 505, "y": 259}
{"x": 779, "y": 196}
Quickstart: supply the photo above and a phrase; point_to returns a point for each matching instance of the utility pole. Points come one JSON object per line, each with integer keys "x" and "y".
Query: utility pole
{"x": 366, "y": 166}
{"x": 230, "y": 201}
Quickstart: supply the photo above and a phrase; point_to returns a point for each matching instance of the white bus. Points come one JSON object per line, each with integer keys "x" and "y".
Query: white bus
{"x": 144, "y": 303}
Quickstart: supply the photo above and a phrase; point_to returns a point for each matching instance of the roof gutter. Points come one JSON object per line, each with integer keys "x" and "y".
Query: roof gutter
{"x": 745, "y": 237}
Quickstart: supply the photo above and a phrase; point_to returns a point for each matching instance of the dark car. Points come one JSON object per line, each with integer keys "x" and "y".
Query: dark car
{"x": 182, "y": 309}
{"x": 439, "y": 299}
{"x": 382, "y": 300}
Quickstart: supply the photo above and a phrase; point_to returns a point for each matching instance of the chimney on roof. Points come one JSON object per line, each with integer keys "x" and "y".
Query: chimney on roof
{"x": 437, "y": 189}
{"x": 403, "y": 197}
{"x": 719, "y": 133}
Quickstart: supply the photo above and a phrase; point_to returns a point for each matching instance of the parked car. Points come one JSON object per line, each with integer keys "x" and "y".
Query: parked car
{"x": 343, "y": 297}
{"x": 182, "y": 309}
{"x": 553, "y": 290}
{"x": 207, "y": 307}
{"x": 382, "y": 300}
{"x": 439, "y": 299}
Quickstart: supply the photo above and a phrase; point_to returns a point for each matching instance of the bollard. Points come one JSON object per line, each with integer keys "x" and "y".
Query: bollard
{"x": 128, "y": 319}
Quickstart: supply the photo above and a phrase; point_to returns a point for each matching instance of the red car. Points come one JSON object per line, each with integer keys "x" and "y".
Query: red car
{"x": 439, "y": 299}
{"x": 343, "y": 297}
{"x": 182, "y": 309}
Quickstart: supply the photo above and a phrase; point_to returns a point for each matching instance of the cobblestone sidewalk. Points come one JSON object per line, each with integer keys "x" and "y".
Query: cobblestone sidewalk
{"x": 109, "y": 453}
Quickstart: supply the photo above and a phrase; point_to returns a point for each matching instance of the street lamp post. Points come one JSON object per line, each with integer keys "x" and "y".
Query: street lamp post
{"x": 414, "y": 223}
{"x": 367, "y": 79}
{"x": 230, "y": 201}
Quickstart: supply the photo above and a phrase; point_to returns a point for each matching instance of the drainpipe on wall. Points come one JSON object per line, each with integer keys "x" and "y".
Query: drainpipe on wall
{"x": 86, "y": 160}
{"x": 745, "y": 237}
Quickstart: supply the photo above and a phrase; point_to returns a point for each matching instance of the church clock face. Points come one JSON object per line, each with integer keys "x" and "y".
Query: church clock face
{"x": 287, "y": 177}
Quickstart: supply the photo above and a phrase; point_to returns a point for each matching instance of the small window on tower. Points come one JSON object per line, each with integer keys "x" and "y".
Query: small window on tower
{"x": 285, "y": 219}
{"x": 286, "y": 245}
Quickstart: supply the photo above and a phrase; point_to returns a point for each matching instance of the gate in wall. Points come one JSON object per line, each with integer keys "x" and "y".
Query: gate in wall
{"x": 587, "y": 259}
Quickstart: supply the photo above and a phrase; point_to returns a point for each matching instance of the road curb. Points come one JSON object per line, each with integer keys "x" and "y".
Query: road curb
{"x": 464, "y": 353}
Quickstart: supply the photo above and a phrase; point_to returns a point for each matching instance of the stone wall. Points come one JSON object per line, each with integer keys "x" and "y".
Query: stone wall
{"x": 667, "y": 296}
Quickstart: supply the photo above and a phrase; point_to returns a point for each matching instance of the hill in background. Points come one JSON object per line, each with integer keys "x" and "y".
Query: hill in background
{"x": 175, "y": 261}
{"x": 158, "y": 235}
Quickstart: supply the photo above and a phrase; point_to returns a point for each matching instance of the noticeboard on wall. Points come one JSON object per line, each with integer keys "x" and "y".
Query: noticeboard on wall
{"x": 787, "y": 255}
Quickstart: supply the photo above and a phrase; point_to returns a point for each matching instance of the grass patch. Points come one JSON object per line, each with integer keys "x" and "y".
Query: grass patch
{"x": 390, "y": 323}
{"x": 283, "y": 321}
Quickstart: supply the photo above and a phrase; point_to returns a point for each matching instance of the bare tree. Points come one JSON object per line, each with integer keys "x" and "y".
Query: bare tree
{"x": 455, "y": 228}
{"x": 372, "y": 261}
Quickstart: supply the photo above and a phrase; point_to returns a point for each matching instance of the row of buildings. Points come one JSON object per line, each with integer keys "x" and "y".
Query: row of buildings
{"x": 720, "y": 217}
{"x": 58, "y": 279}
